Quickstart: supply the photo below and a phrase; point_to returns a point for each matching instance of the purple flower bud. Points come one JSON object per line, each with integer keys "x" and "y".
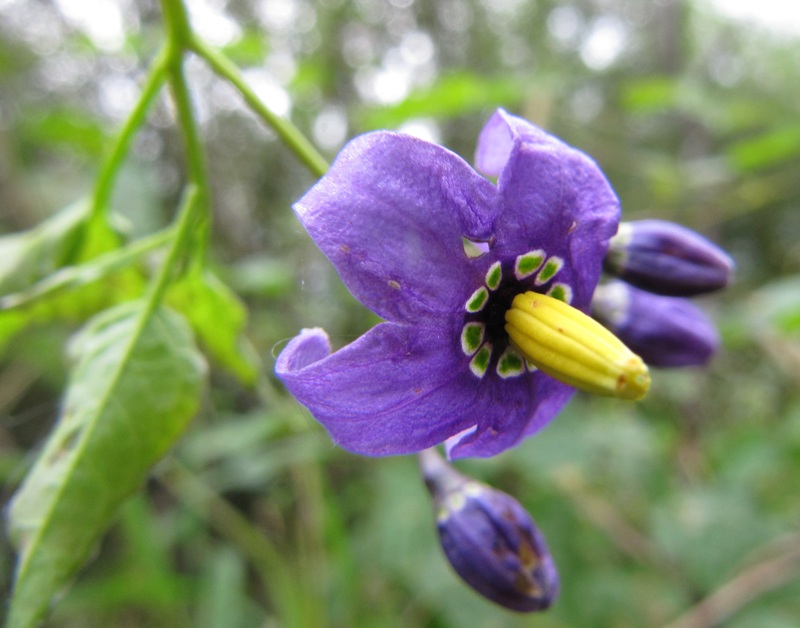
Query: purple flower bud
{"x": 667, "y": 258}
{"x": 664, "y": 331}
{"x": 490, "y": 539}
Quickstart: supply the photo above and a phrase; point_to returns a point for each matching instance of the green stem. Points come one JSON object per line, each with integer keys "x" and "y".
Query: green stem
{"x": 289, "y": 134}
{"x": 105, "y": 179}
{"x": 179, "y": 34}
{"x": 187, "y": 218}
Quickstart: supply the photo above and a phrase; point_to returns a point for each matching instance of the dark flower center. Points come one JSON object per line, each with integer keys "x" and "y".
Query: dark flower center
{"x": 483, "y": 336}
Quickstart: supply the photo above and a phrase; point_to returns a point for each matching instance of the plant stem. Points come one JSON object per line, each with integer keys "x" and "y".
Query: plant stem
{"x": 179, "y": 34}
{"x": 289, "y": 134}
{"x": 105, "y": 179}
{"x": 187, "y": 217}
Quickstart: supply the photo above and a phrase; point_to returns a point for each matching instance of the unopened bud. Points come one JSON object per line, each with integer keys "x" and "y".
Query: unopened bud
{"x": 664, "y": 331}
{"x": 667, "y": 258}
{"x": 490, "y": 539}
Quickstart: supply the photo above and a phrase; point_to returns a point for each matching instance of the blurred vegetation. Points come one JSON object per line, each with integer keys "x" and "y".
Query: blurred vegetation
{"x": 681, "y": 510}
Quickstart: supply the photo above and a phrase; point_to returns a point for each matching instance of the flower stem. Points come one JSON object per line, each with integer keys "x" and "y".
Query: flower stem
{"x": 289, "y": 134}
{"x": 179, "y": 35}
{"x": 105, "y": 179}
{"x": 187, "y": 218}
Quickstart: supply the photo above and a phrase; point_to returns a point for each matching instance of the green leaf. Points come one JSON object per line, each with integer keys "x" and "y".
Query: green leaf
{"x": 771, "y": 148}
{"x": 133, "y": 390}
{"x": 650, "y": 95}
{"x": 43, "y": 255}
{"x": 28, "y": 256}
{"x": 248, "y": 50}
{"x": 218, "y": 317}
{"x": 776, "y": 307}
{"x": 76, "y": 129}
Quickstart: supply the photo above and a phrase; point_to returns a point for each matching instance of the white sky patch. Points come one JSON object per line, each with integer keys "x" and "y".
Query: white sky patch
{"x": 423, "y": 128}
{"x": 565, "y": 24}
{"x": 117, "y": 95}
{"x": 100, "y": 20}
{"x": 782, "y": 16}
{"x": 211, "y": 23}
{"x": 330, "y": 128}
{"x": 606, "y": 40}
{"x": 275, "y": 97}
{"x": 278, "y": 15}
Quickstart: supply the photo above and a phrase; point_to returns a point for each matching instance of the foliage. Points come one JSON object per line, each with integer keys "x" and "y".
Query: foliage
{"x": 147, "y": 170}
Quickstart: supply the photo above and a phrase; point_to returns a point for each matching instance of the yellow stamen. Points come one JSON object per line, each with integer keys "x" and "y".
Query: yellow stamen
{"x": 574, "y": 348}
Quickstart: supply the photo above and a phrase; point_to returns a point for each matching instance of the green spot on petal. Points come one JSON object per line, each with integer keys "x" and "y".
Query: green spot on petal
{"x": 477, "y": 300}
{"x": 494, "y": 276}
{"x": 510, "y": 364}
{"x": 551, "y": 267}
{"x": 472, "y": 337}
{"x": 561, "y": 291}
{"x": 480, "y": 362}
{"x": 528, "y": 263}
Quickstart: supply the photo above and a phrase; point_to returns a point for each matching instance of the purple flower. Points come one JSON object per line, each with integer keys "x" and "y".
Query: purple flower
{"x": 490, "y": 539}
{"x": 664, "y": 331}
{"x": 393, "y": 215}
{"x": 667, "y": 258}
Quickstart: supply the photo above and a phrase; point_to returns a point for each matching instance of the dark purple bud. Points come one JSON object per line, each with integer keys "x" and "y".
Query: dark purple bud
{"x": 667, "y": 258}
{"x": 490, "y": 539}
{"x": 664, "y": 331}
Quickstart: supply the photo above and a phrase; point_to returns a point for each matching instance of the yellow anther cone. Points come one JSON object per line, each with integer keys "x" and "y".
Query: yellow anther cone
{"x": 574, "y": 348}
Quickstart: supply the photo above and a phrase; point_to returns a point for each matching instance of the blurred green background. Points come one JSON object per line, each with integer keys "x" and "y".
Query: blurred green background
{"x": 683, "y": 508}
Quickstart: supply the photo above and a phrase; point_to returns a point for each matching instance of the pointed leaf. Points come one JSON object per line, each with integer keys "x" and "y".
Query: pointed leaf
{"x": 773, "y": 147}
{"x": 27, "y": 256}
{"x": 133, "y": 390}
{"x": 38, "y": 255}
{"x": 218, "y": 317}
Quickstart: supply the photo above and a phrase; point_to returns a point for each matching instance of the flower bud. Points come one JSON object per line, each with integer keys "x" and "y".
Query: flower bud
{"x": 490, "y": 539}
{"x": 664, "y": 331}
{"x": 667, "y": 258}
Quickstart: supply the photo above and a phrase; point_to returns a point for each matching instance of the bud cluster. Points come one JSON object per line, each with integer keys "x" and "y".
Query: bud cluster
{"x": 657, "y": 264}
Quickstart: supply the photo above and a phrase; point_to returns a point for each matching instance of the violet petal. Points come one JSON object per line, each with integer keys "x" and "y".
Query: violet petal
{"x": 390, "y": 214}
{"x": 554, "y": 197}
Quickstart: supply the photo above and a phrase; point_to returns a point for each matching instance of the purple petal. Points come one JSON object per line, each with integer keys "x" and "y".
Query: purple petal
{"x": 515, "y": 409}
{"x": 398, "y": 390}
{"x": 390, "y": 214}
{"x": 494, "y": 146}
{"x": 394, "y": 390}
{"x": 554, "y": 198}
